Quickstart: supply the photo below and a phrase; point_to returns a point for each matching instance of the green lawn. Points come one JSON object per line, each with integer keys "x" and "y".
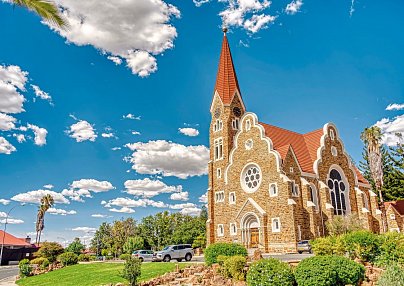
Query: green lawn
{"x": 94, "y": 274}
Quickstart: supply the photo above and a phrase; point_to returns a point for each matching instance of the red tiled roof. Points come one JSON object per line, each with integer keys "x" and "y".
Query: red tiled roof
{"x": 226, "y": 80}
{"x": 397, "y": 205}
{"x": 304, "y": 146}
{"x": 12, "y": 240}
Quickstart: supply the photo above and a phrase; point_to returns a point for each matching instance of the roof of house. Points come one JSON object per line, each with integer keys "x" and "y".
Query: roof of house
{"x": 304, "y": 146}
{"x": 397, "y": 205}
{"x": 226, "y": 80}
{"x": 12, "y": 240}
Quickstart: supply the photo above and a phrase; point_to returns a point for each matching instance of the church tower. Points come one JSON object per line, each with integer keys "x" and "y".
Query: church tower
{"x": 226, "y": 110}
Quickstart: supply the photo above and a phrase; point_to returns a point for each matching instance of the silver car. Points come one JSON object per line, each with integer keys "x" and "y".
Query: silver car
{"x": 304, "y": 246}
{"x": 143, "y": 255}
{"x": 178, "y": 252}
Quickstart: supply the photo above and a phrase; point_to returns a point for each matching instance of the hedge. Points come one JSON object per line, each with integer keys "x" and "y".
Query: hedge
{"x": 270, "y": 272}
{"x": 226, "y": 249}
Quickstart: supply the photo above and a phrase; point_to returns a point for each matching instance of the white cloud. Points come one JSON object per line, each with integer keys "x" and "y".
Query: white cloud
{"x": 99, "y": 215}
{"x": 204, "y": 198}
{"x": 82, "y": 131}
{"x": 352, "y": 8}
{"x": 189, "y": 131}
{"x": 116, "y": 60}
{"x": 169, "y": 159}
{"x": 390, "y": 128}
{"x": 135, "y": 133}
{"x": 122, "y": 210}
{"x": 7, "y": 122}
{"x": 61, "y": 212}
{"x": 4, "y": 202}
{"x": 186, "y": 208}
{"x": 293, "y": 7}
{"x": 84, "y": 229}
{"x": 182, "y": 196}
{"x": 116, "y": 148}
{"x": 108, "y": 135}
{"x": 84, "y": 187}
{"x": 41, "y": 94}
{"x": 40, "y": 134}
{"x": 395, "y": 106}
{"x": 12, "y": 221}
{"x": 147, "y": 188}
{"x": 48, "y": 186}
{"x": 12, "y": 80}
{"x": 199, "y": 3}
{"x": 20, "y": 137}
{"x": 35, "y": 197}
{"x": 248, "y": 14}
{"x": 103, "y": 202}
{"x": 131, "y": 116}
{"x": 125, "y": 202}
{"x": 3, "y": 214}
{"x": 6, "y": 147}
{"x": 134, "y": 31}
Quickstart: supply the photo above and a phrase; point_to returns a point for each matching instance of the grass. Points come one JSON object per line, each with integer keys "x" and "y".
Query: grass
{"x": 94, "y": 274}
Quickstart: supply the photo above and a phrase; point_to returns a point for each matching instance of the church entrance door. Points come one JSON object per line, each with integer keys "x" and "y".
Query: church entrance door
{"x": 254, "y": 240}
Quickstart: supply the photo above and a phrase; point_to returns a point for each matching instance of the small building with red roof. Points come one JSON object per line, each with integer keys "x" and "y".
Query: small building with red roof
{"x": 395, "y": 215}
{"x": 15, "y": 249}
{"x": 270, "y": 187}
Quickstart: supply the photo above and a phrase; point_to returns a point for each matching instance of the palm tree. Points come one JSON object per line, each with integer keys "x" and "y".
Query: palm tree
{"x": 47, "y": 201}
{"x": 372, "y": 137}
{"x": 46, "y": 9}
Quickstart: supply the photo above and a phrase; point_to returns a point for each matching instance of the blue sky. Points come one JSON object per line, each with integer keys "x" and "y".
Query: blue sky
{"x": 298, "y": 68}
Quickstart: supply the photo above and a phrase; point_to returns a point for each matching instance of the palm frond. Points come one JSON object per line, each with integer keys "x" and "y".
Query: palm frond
{"x": 46, "y": 9}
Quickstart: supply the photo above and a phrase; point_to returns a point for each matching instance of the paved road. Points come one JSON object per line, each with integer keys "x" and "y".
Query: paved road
{"x": 8, "y": 271}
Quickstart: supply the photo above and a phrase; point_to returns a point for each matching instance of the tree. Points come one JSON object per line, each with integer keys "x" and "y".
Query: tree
{"x": 46, "y": 9}
{"x": 102, "y": 238}
{"x": 132, "y": 244}
{"x": 47, "y": 202}
{"x": 76, "y": 246}
{"x": 50, "y": 251}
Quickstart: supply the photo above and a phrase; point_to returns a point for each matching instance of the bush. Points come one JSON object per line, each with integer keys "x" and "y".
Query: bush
{"x": 125, "y": 256}
{"x": 132, "y": 270}
{"x": 68, "y": 258}
{"x": 328, "y": 270}
{"x": 391, "y": 249}
{"x": 233, "y": 267}
{"x": 393, "y": 276}
{"x": 331, "y": 245}
{"x": 25, "y": 268}
{"x": 92, "y": 258}
{"x": 84, "y": 257}
{"x": 344, "y": 224}
{"x": 109, "y": 257}
{"x": 50, "y": 250}
{"x": 227, "y": 249}
{"x": 363, "y": 245}
{"x": 42, "y": 262}
{"x": 270, "y": 272}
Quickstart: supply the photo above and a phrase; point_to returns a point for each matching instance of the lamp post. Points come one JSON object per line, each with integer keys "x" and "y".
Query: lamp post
{"x": 4, "y": 232}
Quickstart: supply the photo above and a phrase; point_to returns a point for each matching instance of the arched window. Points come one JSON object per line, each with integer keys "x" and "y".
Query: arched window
{"x": 338, "y": 192}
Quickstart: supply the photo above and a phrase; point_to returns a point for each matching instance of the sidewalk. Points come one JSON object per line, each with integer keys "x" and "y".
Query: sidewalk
{"x": 10, "y": 281}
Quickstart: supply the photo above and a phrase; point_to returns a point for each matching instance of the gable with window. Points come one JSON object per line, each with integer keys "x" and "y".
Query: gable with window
{"x": 338, "y": 192}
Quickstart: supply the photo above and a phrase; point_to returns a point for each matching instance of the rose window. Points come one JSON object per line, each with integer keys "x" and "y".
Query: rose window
{"x": 251, "y": 178}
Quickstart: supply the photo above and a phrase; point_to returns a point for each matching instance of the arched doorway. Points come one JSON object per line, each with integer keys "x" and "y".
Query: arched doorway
{"x": 250, "y": 230}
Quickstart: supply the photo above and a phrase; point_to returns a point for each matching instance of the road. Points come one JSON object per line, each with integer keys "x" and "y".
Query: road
{"x": 8, "y": 271}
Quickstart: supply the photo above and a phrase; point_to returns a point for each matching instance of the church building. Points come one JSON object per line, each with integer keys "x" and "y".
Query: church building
{"x": 270, "y": 187}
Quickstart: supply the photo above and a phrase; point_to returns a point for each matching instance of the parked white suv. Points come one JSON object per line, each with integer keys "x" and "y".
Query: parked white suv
{"x": 178, "y": 252}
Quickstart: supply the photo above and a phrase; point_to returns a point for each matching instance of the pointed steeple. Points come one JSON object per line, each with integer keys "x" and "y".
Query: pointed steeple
{"x": 226, "y": 80}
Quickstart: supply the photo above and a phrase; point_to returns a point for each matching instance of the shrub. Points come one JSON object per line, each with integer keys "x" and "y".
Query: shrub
{"x": 92, "y": 258}
{"x": 199, "y": 242}
{"x": 125, "y": 256}
{"x": 221, "y": 259}
{"x": 270, "y": 272}
{"x": 330, "y": 245}
{"x": 50, "y": 250}
{"x": 132, "y": 270}
{"x": 84, "y": 257}
{"x": 363, "y": 245}
{"x": 233, "y": 267}
{"x": 25, "y": 268}
{"x": 393, "y": 276}
{"x": 227, "y": 249}
{"x": 42, "y": 262}
{"x": 391, "y": 249}
{"x": 109, "y": 257}
{"x": 327, "y": 271}
{"x": 68, "y": 258}
{"x": 344, "y": 224}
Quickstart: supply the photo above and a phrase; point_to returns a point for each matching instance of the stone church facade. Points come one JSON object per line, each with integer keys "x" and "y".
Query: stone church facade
{"x": 270, "y": 187}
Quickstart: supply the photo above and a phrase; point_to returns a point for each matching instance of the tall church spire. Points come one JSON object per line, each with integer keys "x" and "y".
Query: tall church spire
{"x": 226, "y": 81}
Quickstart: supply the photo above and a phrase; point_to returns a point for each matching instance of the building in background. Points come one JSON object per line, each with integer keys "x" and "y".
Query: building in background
{"x": 15, "y": 249}
{"x": 395, "y": 215}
